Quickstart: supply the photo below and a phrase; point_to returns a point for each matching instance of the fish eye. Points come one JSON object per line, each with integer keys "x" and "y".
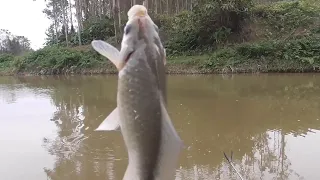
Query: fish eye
{"x": 127, "y": 29}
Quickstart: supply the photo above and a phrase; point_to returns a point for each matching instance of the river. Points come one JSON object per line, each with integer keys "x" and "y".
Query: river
{"x": 269, "y": 121}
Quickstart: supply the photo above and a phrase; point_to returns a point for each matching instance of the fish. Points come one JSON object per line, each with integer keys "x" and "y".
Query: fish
{"x": 141, "y": 114}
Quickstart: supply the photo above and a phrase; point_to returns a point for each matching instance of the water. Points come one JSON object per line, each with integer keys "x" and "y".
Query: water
{"x": 270, "y": 122}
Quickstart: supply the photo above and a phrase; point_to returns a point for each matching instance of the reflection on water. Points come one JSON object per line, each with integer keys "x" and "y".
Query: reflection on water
{"x": 271, "y": 122}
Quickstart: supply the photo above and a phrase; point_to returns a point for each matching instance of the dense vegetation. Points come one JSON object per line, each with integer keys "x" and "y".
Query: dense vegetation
{"x": 200, "y": 36}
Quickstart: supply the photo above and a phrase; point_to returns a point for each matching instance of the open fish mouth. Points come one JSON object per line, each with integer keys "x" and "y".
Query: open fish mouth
{"x": 121, "y": 65}
{"x": 128, "y": 57}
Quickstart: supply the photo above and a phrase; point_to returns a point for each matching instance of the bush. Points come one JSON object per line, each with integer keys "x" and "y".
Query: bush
{"x": 213, "y": 23}
{"x": 6, "y": 58}
{"x": 208, "y": 24}
{"x": 57, "y": 58}
{"x": 95, "y": 29}
{"x": 283, "y": 17}
{"x": 303, "y": 51}
{"x": 5, "y": 61}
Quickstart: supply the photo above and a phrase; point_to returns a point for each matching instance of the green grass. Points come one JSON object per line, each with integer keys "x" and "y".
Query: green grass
{"x": 295, "y": 55}
{"x": 188, "y": 60}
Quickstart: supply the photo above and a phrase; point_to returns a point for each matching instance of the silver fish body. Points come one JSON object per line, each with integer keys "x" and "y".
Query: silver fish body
{"x": 141, "y": 95}
{"x": 140, "y": 116}
{"x": 153, "y": 144}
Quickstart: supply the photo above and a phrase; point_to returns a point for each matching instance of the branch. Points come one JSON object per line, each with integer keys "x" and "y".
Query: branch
{"x": 230, "y": 162}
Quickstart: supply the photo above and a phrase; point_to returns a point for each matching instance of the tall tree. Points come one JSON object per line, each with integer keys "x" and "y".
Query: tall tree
{"x": 64, "y": 5}
{"x": 13, "y": 44}
{"x": 116, "y": 11}
{"x": 53, "y": 12}
{"x": 89, "y": 13}
{"x": 79, "y": 19}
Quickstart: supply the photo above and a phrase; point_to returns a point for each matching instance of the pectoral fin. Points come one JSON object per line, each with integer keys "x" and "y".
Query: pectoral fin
{"x": 107, "y": 50}
{"x": 111, "y": 123}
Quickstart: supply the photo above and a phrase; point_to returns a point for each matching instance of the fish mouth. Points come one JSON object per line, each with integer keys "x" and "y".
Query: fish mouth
{"x": 128, "y": 57}
{"x": 122, "y": 64}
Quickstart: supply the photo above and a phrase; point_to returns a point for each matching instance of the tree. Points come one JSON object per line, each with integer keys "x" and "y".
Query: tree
{"x": 13, "y": 44}
{"x": 89, "y": 12}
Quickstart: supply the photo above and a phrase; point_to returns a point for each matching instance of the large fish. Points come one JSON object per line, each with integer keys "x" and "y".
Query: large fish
{"x": 141, "y": 114}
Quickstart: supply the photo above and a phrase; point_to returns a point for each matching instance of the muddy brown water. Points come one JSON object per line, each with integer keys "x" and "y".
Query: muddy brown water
{"x": 270, "y": 122}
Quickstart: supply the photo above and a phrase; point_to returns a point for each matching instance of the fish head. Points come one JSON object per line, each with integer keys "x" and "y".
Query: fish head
{"x": 140, "y": 32}
{"x": 137, "y": 10}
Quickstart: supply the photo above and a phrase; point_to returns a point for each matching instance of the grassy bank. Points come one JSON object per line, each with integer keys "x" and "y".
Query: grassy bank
{"x": 277, "y": 37}
{"x": 291, "y": 55}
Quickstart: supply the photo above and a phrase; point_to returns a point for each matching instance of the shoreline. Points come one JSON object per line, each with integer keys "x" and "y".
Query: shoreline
{"x": 171, "y": 69}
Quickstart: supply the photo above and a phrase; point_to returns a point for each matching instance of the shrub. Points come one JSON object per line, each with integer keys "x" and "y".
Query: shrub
{"x": 303, "y": 51}
{"x": 207, "y": 24}
{"x": 95, "y": 29}
{"x": 6, "y": 61}
{"x": 57, "y": 58}
{"x": 6, "y": 57}
{"x": 283, "y": 17}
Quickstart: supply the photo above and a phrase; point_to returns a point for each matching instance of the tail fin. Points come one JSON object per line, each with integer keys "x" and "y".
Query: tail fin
{"x": 111, "y": 123}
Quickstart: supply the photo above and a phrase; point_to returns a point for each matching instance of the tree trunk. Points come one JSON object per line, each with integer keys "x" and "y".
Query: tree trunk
{"x": 177, "y": 7}
{"x": 145, "y": 3}
{"x": 56, "y": 21}
{"x": 70, "y": 11}
{"x": 186, "y": 5}
{"x": 119, "y": 16}
{"x": 65, "y": 21}
{"x": 156, "y": 6}
{"x": 116, "y": 21}
{"x": 79, "y": 19}
{"x": 168, "y": 7}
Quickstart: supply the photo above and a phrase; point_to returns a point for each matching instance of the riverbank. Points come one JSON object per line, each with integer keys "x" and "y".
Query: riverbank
{"x": 278, "y": 37}
{"x": 291, "y": 55}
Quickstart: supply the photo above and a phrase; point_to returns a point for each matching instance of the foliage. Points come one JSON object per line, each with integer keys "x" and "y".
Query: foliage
{"x": 94, "y": 19}
{"x": 300, "y": 52}
{"x": 56, "y": 11}
{"x": 214, "y": 23}
{"x": 54, "y": 58}
{"x": 292, "y": 31}
{"x": 206, "y": 25}
{"x": 285, "y": 17}
{"x": 13, "y": 44}
{"x": 5, "y": 61}
{"x": 95, "y": 29}
{"x": 58, "y": 57}
{"x": 6, "y": 57}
